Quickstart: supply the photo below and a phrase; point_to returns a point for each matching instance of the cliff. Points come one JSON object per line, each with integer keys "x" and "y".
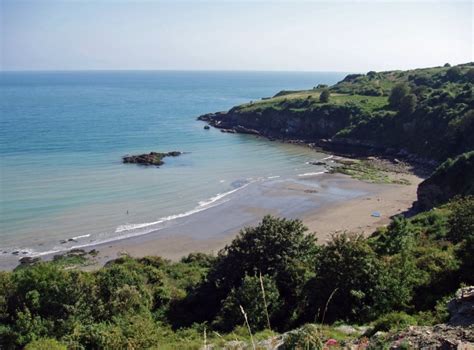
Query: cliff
{"x": 427, "y": 113}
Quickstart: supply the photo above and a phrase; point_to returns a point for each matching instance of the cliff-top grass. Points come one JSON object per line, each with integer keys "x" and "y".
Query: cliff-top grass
{"x": 308, "y": 99}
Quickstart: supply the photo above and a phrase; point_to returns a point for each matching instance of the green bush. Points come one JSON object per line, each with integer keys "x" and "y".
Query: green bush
{"x": 250, "y": 296}
{"x": 397, "y": 95}
{"x": 45, "y": 344}
{"x": 324, "y": 96}
{"x": 347, "y": 293}
{"x": 307, "y": 337}
{"x": 393, "y": 321}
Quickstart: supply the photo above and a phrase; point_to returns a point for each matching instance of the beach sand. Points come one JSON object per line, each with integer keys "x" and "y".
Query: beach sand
{"x": 327, "y": 204}
{"x": 329, "y": 217}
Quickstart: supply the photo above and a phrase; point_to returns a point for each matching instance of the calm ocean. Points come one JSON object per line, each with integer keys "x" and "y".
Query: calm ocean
{"x": 62, "y": 136}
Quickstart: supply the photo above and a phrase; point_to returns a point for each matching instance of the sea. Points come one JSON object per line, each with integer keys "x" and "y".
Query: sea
{"x": 63, "y": 136}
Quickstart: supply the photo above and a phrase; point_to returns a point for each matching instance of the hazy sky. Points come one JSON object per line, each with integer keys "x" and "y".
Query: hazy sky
{"x": 234, "y": 35}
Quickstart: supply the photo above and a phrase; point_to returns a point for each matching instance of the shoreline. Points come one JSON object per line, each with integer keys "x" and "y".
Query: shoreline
{"x": 319, "y": 200}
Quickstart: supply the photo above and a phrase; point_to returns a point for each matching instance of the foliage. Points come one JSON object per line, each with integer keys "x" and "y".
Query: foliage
{"x": 403, "y": 274}
{"x": 324, "y": 96}
{"x": 427, "y": 112}
{"x": 392, "y": 321}
{"x": 398, "y": 93}
{"x": 278, "y": 248}
{"x": 250, "y": 296}
{"x": 45, "y": 344}
{"x": 306, "y": 337}
{"x": 348, "y": 293}
{"x": 452, "y": 178}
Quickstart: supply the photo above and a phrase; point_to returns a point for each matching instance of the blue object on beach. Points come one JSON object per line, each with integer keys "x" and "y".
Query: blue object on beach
{"x": 376, "y": 214}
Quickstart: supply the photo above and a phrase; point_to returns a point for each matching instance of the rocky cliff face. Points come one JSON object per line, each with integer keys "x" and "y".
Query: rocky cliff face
{"x": 318, "y": 127}
{"x": 453, "y": 177}
{"x": 305, "y": 124}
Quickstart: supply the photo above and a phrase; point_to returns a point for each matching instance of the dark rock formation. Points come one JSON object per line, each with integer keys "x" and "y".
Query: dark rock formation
{"x": 461, "y": 308}
{"x": 152, "y": 158}
{"x": 453, "y": 177}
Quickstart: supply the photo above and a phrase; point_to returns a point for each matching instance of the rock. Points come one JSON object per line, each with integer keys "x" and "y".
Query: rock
{"x": 93, "y": 252}
{"x": 28, "y": 260}
{"x": 317, "y": 163}
{"x": 16, "y": 252}
{"x": 346, "y": 329}
{"x": 243, "y": 130}
{"x": 206, "y": 127}
{"x": 461, "y": 308}
{"x": 76, "y": 252}
{"x": 439, "y": 337}
{"x": 152, "y": 158}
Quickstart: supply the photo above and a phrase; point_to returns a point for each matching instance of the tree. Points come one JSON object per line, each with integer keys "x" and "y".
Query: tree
{"x": 470, "y": 75}
{"x": 250, "y": 296}
{"x": 397, "y": 94}
{"x": 461, "y": 220}
{"x": 347, "y": 275}
{"x": 453, "y": 73}
{"x": 279, "y": 248}
{"x": 324, "y": 96}
{"x": 408, "y": 104}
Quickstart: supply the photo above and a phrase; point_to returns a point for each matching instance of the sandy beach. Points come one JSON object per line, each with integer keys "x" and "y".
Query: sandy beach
{"x": 327, "y": 204}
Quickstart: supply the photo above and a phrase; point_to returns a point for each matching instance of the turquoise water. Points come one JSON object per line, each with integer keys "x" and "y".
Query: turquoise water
{"x": 62, "y": 136}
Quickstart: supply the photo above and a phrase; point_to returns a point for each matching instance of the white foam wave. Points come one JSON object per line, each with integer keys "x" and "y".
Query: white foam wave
{"x": 81, "y": 236}
{"x": 312, "y": 174}
{"x": 34, "y": 254}
{"x": 273, "y": 177}
{"x": 328, "y": 157}
{"x": 202, "y": 205}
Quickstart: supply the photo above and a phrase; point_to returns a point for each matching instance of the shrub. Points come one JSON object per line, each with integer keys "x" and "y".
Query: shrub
{"x": 393, "y": 321}
{"x": 278, "y": 248}
{"x": 307, "y": 337}
{"x": 461, "y": 219}
{"x": 350, "y": 292}
{"x": 453, "y": 73}
{"x": 249, "y": 295}
{"x": 45, "y": 344}
{"x": 408, "y": 104}
{"x": 324, "y": 96}
{"x": 397, "y": 94}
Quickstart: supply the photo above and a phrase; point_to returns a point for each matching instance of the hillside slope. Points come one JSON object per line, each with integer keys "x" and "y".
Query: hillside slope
{"x": 430, "y": 116}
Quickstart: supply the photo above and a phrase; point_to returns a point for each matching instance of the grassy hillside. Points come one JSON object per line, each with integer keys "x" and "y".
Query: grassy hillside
{"x": 427, "y": 112}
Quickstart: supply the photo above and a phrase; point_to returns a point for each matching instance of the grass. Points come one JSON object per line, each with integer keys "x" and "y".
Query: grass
{"x": 309, "y": 99}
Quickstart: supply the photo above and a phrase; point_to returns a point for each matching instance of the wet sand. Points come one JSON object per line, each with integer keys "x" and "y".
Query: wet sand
{"x": 327, "y": 203}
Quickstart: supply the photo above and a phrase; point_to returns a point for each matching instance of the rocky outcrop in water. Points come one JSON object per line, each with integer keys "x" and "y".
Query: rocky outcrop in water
{"x": 152, "y": 158}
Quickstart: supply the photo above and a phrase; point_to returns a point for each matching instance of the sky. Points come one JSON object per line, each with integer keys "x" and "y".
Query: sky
{"x": 346, "y": 36}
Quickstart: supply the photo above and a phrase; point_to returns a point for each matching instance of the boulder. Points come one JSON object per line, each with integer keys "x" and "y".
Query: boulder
{"x": 461, "y": 308}
{"x": 152, "y": 158}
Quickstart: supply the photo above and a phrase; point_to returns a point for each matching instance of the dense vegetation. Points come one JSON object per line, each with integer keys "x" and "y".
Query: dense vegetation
{"x": 428, "y": 112}
{"x": 275, "y": 271}
{"x": 453, "y": 177}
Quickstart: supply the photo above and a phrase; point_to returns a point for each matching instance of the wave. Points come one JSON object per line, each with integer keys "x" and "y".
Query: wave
{"x": 81, "y": 236}
{"x": 312, "y": 174}
{"x": 130, "y": 230}
{"x": 202, "y": 205}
